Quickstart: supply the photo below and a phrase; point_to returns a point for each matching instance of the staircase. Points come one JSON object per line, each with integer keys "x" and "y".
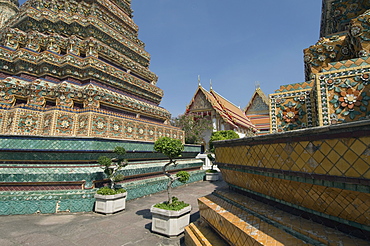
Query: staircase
{"x": 230, "y": 218}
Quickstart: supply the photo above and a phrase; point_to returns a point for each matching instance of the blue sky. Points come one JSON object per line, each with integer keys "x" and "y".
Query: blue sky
{"x": 234, "y": 43}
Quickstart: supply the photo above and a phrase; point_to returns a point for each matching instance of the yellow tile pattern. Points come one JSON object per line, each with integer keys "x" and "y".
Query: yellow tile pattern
{"x": 192, "y": 238}
{"x": 345, "y": 204}
{"x": 199, "y": 234}
{"x": 241, "y": 228}
{"x": 315, "y": 231}
{"x": 346, "y": 157}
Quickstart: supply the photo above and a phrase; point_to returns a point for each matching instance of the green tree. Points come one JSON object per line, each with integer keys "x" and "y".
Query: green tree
{"x": 112, "y": 165}
{"x": 221, "y": 135}
{"x": 194, "y": 127}
{"x": 172, "y": 148}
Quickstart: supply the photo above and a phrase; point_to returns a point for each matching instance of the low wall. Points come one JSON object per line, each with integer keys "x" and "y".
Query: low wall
{"x": 16, "y": 149}
{"x": 323, "y": 171}
{"x": 78, "y": 200}
{"x": 55, "y": 174}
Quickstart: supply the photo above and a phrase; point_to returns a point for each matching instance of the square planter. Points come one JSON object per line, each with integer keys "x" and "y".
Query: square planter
{"x": 168, "y": 222}
{"x": 109, "y": 204}
{"x": 211, "y": 176}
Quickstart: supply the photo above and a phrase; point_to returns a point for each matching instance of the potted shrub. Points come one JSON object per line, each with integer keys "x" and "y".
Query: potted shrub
{"x": 112, "y": 198}
{"x": 170, "y": 217}
{"x": 211, "y": 174}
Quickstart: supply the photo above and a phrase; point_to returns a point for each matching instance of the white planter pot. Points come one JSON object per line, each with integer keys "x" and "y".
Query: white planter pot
{"x": 109, "y": 204}
{"x": 211, "y": 176}
{"x": 170, "y": 223}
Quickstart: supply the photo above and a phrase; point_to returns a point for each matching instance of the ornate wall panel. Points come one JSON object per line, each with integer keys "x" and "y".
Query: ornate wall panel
{"x": 58, "y": 122}
{"x": 343, "y": 95}
{"x": 291, "y": 110}
{"x": 323, "y": 171}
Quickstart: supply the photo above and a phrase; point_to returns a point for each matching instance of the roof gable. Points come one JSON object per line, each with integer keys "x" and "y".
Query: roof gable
{"x": 199, "y": 102}
{"x": 231, "y": 114}
{"x": 258, "y": 102}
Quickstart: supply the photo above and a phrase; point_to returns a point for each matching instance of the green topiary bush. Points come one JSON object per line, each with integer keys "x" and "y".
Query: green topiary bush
{"x": 221, "y": 135}
{"x": 183, "y": 176}
{"x": 175, "y": 205}
{"x": 172, "y": 148}
{"x": 108, "y": 191}
{"x": 111, "y": 166}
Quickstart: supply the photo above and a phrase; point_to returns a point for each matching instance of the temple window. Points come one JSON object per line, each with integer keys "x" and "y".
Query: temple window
{"x": 20, "y": 101}
{"x": 78, "y": 105}
{"x": 50, "y": 103}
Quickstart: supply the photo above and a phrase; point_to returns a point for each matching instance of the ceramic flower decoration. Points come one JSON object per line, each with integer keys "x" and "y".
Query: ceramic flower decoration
{"x": 350, "y": 98}
{"x": 290, "y": 115}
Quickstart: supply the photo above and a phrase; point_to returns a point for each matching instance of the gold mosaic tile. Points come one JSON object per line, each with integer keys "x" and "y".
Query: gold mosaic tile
{"x": 331, "y": 201}
{"x": 200, "y": 234}
{"x": 249, "y": 230}
{"x": 358, "y": 146}
{"x": 318, "y": 232}
{"x": 331, "y": 157}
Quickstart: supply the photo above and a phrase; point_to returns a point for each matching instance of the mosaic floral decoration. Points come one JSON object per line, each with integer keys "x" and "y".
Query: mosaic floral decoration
{"x": 93, "y": 123}
{"x": 291, "y": 111}
{"x": 348, "y": 98}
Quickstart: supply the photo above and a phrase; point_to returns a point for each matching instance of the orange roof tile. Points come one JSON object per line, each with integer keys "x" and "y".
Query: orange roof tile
{"x": 229, "y": 112}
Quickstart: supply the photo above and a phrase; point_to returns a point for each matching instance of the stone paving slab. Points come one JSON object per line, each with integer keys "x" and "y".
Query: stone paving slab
{"x": 128, "y": 228}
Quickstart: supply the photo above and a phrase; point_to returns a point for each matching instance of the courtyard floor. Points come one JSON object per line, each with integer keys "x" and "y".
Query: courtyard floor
{"x": 130, "y": 227}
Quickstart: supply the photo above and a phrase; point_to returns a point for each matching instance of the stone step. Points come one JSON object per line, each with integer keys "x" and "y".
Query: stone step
{"x": 201, "y": 234}
{"x": 239, "y": 227}
{"x": 304, "y": 229}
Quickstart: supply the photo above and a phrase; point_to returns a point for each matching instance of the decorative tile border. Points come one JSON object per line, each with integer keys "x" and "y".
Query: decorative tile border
{"x": 37, "y": 176}
{"x": 30, "y": 202}
{"x": 87, "y": 123}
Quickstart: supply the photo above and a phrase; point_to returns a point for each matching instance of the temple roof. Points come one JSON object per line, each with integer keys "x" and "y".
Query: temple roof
{"x": 257, "y": 93}
{"x": 229, "y": 112}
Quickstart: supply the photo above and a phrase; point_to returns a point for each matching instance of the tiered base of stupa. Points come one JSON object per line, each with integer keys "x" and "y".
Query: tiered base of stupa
{"x": 60, "y": 174}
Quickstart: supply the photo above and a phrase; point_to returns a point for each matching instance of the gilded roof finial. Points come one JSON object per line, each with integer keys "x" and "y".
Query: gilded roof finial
{"x": 210, "y": 84}
{"x": 199, "y": 81}
{"x": 257, "y": 84}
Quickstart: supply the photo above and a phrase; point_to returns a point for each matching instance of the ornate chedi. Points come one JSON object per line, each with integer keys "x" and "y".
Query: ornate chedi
{"x": 8, "y": 8}
{"x": 74, "y": 84}
{"x": 77, "y": 68}
{"x": 336, "y": 69}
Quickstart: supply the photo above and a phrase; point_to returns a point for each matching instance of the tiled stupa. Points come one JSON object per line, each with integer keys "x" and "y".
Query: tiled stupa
{"x": 74, "y": 84}
{"x": 77, "y": 68}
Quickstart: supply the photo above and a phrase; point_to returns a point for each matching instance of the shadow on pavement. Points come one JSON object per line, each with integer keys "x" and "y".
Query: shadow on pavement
{"x": 145, "y": 213}
{"x": 194, "y": 217}
{"x": 149, "y": 227}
